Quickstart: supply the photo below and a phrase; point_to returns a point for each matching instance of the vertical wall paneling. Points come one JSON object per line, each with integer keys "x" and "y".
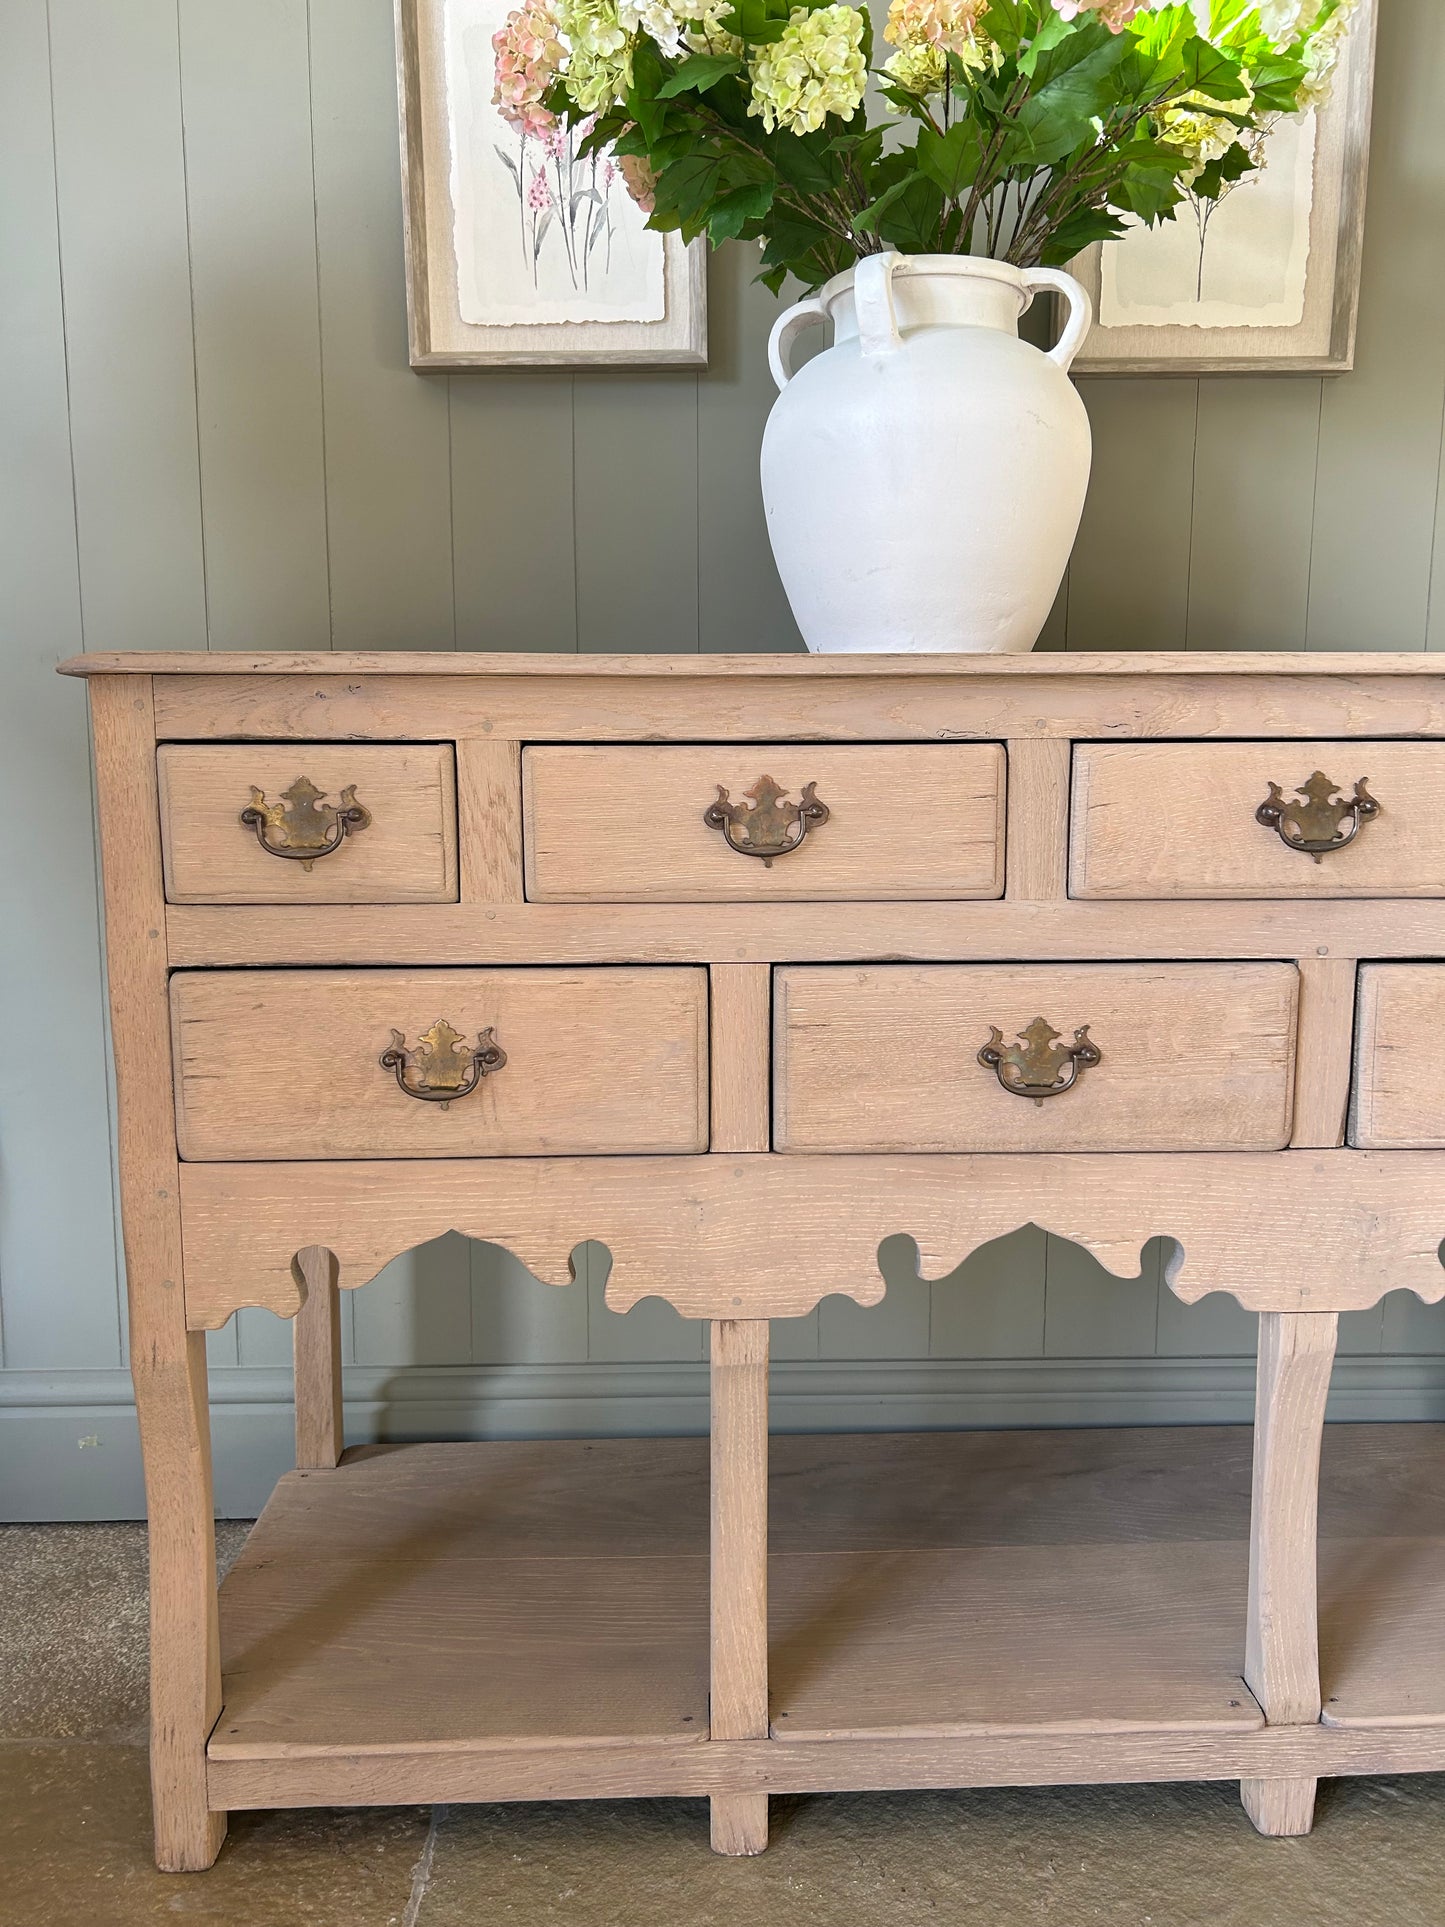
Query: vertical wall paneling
{"x": 1129, "y": 577}
{"x": 57, "y": 1236}
{"x": 511, "y": 481}
{"x": 1380, "y": 430}
{"x": 1253, "y": 514}
{"x": 388, "y": 476}
{"x": 1089, "y": 1313}
{"x": 993, "y": 1305}
{"x": 418, "y": 1310}
{"x": 741, "y": 604}
{"x": 634, "y": 497}
{"x": 210, "y": 434}
{"x": 245, "y": 93}
{"x": 120, "y": 183}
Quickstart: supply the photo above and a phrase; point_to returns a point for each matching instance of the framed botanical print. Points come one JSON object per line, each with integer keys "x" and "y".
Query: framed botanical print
{"x": 521, "y": 251}
{"x": 1267, "y": 278}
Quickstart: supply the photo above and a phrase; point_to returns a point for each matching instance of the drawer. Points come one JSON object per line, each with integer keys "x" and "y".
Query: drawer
{"x": 405, "y": 851}
{"x": 1192, "y": 1057}
{"x": 286, "y": 1063}
{"x": 1399, "y": 1099}
{"x": 1179, "y": 820}
{"x": 628, "y": 825}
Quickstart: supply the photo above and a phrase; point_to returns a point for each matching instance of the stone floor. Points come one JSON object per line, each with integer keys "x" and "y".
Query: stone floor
{"x": 74, "y": 1825}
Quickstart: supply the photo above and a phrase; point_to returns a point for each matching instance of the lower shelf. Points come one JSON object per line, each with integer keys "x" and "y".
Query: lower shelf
{"x": 514, "y": 1620}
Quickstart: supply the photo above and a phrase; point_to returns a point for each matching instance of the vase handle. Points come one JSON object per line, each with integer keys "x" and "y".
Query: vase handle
{"x": 1080, "y": 316}
{"x": 873, "y": 303}
{"x": 791, "y": 322}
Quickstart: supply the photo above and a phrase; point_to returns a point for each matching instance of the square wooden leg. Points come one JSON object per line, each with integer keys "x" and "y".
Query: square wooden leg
{"x": 1281, "y": 1808}
{"x": 316, "y": 1342}
{"x": 739, "y": 1822}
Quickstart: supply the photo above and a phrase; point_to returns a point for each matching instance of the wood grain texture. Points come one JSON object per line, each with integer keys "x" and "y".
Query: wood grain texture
{"x": 1038, "y": 820}
{"x": 489, "y": 802}
{"x": 465, "y": 1538}
{"x": 740, "y": 998}
{"x": 754, "y": 1236}
{"x": 1178, "y": 820}
{"x": 407, "y": 853}
{"x": 1400, "y": 1076}
{"x": 1324, "y": 1052}
{"x": 790, "y": 699}
{"x": 626, "y": 825}
{"x": 1196, "y": 1057}
{"x": 803, "y": 933}
{"x": 738, "y": 1583}
{"x": 597, "y": 1061}
{"x": 316, "y": 1333}
{"x": 1281, "y": 1664}
{"x": 168, "y": 1363}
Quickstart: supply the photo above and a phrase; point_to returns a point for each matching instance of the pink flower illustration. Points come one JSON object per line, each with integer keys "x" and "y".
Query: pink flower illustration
{"x": 539, "y": 195}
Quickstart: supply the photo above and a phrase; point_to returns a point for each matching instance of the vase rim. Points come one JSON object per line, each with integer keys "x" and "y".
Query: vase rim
{"x": 982, "y": 267}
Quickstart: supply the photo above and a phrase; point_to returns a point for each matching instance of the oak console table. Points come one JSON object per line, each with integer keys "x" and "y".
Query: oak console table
{"x": 741, "y": 965}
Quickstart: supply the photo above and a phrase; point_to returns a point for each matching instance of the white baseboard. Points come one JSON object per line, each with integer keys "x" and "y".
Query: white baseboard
{"x": 69, "y": 1447}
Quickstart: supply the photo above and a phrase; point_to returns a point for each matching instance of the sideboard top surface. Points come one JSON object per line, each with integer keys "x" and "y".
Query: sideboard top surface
{"x": 181, "y": 662}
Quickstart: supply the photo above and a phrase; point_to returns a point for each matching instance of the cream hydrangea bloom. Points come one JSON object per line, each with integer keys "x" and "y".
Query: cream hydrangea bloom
{"x": 599, "y": 59}
{"x": 658, "y": 19}
{"x": 1282, "y": 19}
{"x": 816, "y": 69}
{"x": 1322, "y": 59}
{"x": 1202, "y": 136}
{"x": 706, "y": 34}
{"x": 921, "y": 69}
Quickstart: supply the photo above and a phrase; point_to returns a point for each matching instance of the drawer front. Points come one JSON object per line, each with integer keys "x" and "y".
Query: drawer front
{"x": 1192, "y": 1057}
{"x": 286, "y": 1063}
{"x": 628, "y": 825}
{"x": 1399, "y": 1102}
{"x": 405, "y": 851}
{"x": 1179, "y": 820}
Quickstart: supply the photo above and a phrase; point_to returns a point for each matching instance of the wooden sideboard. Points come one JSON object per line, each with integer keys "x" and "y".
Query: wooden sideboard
{"x": 742, "y": 965}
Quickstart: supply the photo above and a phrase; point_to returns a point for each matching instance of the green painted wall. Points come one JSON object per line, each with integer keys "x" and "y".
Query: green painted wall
{"x": 209, "y": 438}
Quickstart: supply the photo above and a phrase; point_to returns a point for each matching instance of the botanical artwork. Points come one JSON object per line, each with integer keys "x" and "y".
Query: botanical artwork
{"x": 544, "y": 233}
{"x": 1240, "y": 255}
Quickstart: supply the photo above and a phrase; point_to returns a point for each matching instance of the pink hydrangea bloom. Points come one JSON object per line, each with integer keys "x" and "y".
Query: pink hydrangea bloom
{"x": 639, "y": 180}
{"x": 1115, "y": 14}
{"x": 950, "y": 24}
{"x": 529, "y": 54}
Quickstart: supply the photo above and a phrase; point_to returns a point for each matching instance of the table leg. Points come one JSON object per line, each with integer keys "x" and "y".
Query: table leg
{"x": 316, "y": 1342}
{"x": 1281, "y": 1668}
{"x": 739, "y": 1577}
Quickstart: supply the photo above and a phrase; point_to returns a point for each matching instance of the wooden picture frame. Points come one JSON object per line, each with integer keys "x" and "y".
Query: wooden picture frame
{"x": 1323, "y": 341}
{"x": 439, "y": 335}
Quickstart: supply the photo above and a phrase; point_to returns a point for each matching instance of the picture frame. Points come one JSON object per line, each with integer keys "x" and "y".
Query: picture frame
{"x": 654, "y": 286}
{"x": 1318, "y": 211}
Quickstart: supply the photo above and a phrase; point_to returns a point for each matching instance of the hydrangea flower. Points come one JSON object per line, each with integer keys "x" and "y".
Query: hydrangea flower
{"x": 706, "y": 34}
{"x": 816, "y": 69}
{"x": 592, "y": 26}
{"x": 1322, "y": 58}
{"x": 596, "y": 81}
{"x": 639, "y": 180}
{"x": 1203, "y": 137}
{"x": 920, "y": 69}
{"x": 660, "y": 20}
{"x": 1282, "y": 19}
{"x": 1115, "y": 14}
{"x": 529, "y": 54}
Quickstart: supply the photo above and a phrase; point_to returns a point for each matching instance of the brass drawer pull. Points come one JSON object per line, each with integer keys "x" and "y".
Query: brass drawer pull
{"x": 1038, "y": 1066}
{"x": 302, "y": 826}
{"x": 441, "y": 1068}
{"x": 770, "y": 826}
{"x": 1320, "y": 820}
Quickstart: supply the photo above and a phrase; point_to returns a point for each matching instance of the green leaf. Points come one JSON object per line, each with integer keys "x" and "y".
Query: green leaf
{"x": 1078, "y": 232}
{"x": 872, "y": 215}
{"x": 698, "y": 73}
{"x": 1007, "y": 23}
{"x": 912, "y": 221}
{"x": 951, "y": 159}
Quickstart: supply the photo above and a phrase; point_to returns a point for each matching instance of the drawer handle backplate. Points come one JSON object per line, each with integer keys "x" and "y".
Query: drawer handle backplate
{"x": 303, "y": 827}
{"x": 442, "y": 1068}
{"x": 1320, "y": 819}
{"x": 770, "y": 825}
{"x": 1039, "y": 1066}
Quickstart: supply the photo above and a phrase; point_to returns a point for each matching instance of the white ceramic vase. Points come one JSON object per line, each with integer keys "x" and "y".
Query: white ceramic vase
{"x": 923, "y": 477}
